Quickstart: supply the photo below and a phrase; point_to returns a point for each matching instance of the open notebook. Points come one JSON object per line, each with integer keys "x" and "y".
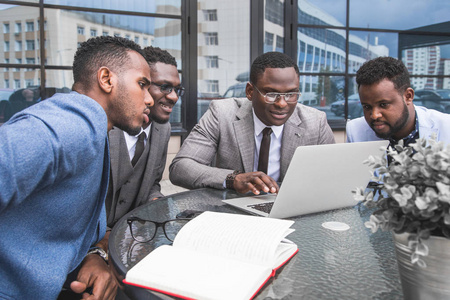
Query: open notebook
{"x": 319, "y": 178}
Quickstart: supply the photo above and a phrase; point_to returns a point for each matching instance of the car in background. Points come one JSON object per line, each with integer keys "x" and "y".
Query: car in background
{"x": 237, "y": 90}
{"x": 354, "y": 107}
{"x": 435, "y": 99}
{"x": 4, "y": 102}
{"x": 5, "y": 93}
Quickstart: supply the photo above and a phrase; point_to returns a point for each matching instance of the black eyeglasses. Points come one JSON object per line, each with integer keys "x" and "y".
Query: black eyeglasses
{"x": 167, "y": 89}
{"x": 145, "y": 230}
{"x": 271, "y": 98}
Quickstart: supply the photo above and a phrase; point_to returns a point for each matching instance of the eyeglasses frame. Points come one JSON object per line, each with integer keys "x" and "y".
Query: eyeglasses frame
{"x": 278, "y": 96}
{"x": 179, "y": 90}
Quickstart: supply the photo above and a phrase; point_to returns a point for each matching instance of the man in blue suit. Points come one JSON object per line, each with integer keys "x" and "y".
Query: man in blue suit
{"x": 54, "y": 172}
{"x": 389, "y": 113}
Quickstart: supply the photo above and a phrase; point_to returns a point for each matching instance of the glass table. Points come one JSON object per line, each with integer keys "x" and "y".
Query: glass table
{"x": 351, "y": 264}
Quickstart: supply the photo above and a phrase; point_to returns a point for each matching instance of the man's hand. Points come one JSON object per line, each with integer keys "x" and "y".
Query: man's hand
{"x": 255, "y": 182}
{"x": 95, "y": 273}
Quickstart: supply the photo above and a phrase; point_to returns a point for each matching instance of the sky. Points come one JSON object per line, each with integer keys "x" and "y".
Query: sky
{"x": 392, "y": 14}
{"x": 388, "y": 14}
{"x": 380, "y": 14}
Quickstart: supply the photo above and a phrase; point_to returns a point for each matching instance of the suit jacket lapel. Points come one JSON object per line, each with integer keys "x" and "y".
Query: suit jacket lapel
{"x": 293, "y": 136}
{"x": 426, "y": 125}
{"x": 148, "y": 178}
{"x": 245, "y": 132}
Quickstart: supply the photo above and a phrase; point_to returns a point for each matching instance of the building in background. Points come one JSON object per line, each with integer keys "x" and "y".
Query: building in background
{"x": 64, "y": 31}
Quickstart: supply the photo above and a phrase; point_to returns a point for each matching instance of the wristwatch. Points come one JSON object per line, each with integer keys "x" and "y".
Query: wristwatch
{"x": 99, "y": 251}
{"x": 229, "y": 181}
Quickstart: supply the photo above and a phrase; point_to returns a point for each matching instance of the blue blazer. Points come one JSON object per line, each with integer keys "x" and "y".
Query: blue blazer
{"x": 54, "y": 172}
{"x": 430, "y": 121}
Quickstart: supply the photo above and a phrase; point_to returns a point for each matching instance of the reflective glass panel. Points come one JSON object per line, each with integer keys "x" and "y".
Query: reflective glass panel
{"x": 19, "y": 44}
{"x": 71, "y": 28}
{"x": 325, "y": 93}
{"x": 274, "y": 26}
{"x": 426, "y": 55}
{"x": 223, "y": 51}
{"x": 432, "y": 93}
{"x": 321, "y": 50}
{"x": 322, "y": 12}
{"x": 366, "y": 45}
{"x": 398, "y": 14}
{"x": 59, "y": 80}
{"x": 23, "y": 92}
{"x": 31, "y": 1}
{"x": 172, "y": 7}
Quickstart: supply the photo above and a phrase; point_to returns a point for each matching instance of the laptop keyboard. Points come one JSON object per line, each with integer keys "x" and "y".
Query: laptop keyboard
{"x": 264, "y": 207}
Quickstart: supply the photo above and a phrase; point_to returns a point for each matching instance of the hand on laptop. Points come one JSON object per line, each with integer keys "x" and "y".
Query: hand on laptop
{"x": 255, "y": 182}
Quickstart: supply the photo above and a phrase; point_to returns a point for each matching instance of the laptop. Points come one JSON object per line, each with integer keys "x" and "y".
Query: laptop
{"x": 319, "y": 178}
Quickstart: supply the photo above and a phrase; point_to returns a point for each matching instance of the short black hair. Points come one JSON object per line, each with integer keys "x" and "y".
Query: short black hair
{"x": 271, "y": 60}
{"x": 96, "y": 52}
{"x": 385, "y": 67}
{"x": 154, "y": 55}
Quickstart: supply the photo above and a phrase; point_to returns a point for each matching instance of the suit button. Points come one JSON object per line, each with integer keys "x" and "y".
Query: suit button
{"x": 121, "y": 201}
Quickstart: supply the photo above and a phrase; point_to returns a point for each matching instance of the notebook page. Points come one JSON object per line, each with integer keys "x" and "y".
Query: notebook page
{"x": 197, "y": 275}
{"x": 249, "y": 238}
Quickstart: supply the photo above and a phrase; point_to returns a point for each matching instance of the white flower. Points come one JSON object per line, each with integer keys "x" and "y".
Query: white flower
{"x": 359, "y": 194}
{"x": 444, "y": 191}
{"x": 421, "y": 249}
{"x": 372, "y": 223}
{"x": 401, "y": 199}
{"x": 415, "y": 259}
{"x": 421, "y": 203}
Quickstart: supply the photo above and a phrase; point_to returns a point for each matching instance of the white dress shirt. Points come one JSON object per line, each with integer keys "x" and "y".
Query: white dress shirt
{"x": 275, "y": 147}
{"x": 132, "y": 140}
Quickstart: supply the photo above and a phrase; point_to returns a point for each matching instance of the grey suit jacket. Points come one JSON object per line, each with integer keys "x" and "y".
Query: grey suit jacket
{"x": 121, "y": 169}
{"x": 226, "y": 133}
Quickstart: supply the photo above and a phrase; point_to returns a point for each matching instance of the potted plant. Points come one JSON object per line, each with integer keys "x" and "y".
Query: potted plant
{"x": 412, "y": 199}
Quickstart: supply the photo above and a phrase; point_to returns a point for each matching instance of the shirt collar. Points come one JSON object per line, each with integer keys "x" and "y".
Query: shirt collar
{"x": 259, "y": 126}
{"x": 132, "y": 139}
{"x": 412, "y": 136}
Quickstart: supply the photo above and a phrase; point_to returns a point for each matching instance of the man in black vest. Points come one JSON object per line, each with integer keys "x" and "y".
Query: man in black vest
{"x": 138, "y": 162}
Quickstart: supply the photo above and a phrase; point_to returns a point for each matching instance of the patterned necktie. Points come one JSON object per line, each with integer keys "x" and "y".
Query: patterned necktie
{"x": 139, "y": 148}
{"x": 263, "y": 161}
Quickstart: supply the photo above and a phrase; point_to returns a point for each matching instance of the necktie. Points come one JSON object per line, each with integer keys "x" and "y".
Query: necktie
{"x": 139, "y": 148}
{"x": 263, "y": 161}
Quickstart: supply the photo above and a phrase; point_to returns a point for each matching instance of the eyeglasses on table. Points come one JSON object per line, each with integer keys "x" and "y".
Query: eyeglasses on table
{"x": 144, "y": 231}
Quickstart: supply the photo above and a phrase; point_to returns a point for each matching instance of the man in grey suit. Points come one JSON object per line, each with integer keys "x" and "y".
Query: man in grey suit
{"x": 135, "y": 181}
{"x": 230, "y": 133}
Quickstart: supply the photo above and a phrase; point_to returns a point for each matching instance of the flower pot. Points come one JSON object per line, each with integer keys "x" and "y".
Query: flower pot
{"x": 432, "y": 282}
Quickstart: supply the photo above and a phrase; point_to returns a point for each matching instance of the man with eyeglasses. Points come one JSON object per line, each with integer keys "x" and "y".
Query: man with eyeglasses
{"x": 138, "y": 162}
{"x": 230, "y": 135}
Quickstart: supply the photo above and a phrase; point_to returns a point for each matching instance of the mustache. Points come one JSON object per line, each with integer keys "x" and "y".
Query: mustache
{"x": 379, "y": 122}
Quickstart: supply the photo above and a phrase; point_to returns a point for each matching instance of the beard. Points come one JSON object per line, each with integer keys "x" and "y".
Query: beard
{"x": 158, "y": 119}
{"x": 124, "y": 112}
{"x": 393, "y": 129}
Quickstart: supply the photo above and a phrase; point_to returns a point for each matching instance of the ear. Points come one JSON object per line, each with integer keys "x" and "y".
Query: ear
{"x": 409, "y": 96}
{"x": 249, "y": 91}
{"x": 105, "y": 79}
